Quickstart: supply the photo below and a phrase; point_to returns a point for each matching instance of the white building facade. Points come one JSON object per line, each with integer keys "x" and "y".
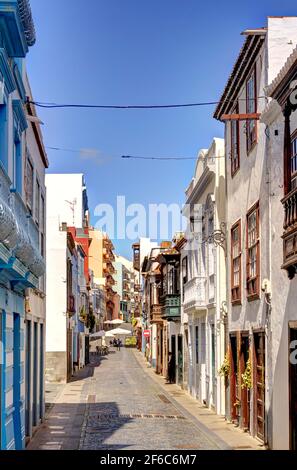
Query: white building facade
{"x": 280, "y": 119}
{"x": 249, "y": 256}
{"x": 203, "y": 279}
{"x": 67, "y": 293}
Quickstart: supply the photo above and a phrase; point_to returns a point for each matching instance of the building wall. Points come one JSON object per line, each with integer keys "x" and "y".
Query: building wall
{"x": 56, "y": 302}
{"x": 283, "y": 290}
{"x": 35, "y": 315}
{"x": 96, "y": 255}
{"x": 65, "y": 198}
{"x": 249, "y": 185}
{"x": 202, "y": 325}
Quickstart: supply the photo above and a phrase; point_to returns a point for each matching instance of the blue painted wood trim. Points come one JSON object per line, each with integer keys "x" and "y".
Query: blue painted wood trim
{"x": 3, "y": 380}
{"x": 17, "y": 382}
{"x": 5, "y": 70}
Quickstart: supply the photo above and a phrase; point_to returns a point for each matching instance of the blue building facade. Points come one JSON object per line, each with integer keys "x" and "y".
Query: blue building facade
{"x": 21, "y": 263}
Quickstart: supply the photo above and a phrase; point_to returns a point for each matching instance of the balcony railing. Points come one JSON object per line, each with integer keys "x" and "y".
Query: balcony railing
{"x": 156, "y": 313}
{"x": 71, "y": 305}
{"x": 290, "y": 233}
{"x": 18, "y": 232}
{"x": 170, "y": 304}
{"x": 195, "y": 294}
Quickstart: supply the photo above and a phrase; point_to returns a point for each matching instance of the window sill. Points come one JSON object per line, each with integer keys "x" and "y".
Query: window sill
{"x": 236, "y": 302}
{"x": 234, "y": 173}
{"x": 249, "y": 151}
{"x": 252, "y": 297}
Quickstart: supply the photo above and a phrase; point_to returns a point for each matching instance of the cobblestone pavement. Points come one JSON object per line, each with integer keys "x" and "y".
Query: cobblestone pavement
{"x": 115, "y": 404}
{"x": 128, "y": 410}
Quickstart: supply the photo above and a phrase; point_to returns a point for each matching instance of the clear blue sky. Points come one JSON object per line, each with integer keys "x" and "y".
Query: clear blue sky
{"x": 136, "y": 52}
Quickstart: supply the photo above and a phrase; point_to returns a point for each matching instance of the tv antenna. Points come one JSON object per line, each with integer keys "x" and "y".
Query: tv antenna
{"x": 72, "y": 205}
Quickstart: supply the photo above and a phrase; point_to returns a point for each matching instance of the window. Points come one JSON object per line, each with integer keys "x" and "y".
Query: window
{"x": 17, "y": 164}
{"x": 37, "y": 202}
{"x": 211, "y": 257}
{"x": 197, "y": 344}
{"x": 29, "y": 182}
{"x": 294, "y": 162}
{"x": 235, "y": 157}
{"x": 42, "y": 226}
{"x": 185, "y": 270}
{"x": 253, "y": 252}
{"x": 3, "y": 134}
{"x": 251, "y": 107}
{"x": 236, "y": 263}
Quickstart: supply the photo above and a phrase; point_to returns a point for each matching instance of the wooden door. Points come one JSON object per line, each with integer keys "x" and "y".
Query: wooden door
{"x": 293, "y": 387}
{"x": 234, "y": 398}
{"x": 69, "y": 354}
{"x": 259, "y": 347}
{"x": 245, "y": 393}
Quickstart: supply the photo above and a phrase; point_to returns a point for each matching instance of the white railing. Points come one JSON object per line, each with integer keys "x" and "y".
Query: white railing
{"x": 195, "y": 293}
{"x": 18, "y": 231}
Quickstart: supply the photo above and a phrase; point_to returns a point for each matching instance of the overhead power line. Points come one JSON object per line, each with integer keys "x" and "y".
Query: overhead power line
{"x": 131, "y": 157}
{"x": 100, "y": 106}
{"x": 150, "y": 106}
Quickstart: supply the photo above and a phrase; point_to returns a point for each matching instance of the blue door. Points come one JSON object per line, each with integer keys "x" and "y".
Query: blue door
{"x": 17, "y": 381}
{"x": 2, "y": 380}
{"x": 28, "y": 377}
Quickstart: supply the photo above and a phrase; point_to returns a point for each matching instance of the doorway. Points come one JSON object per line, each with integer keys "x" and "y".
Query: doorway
{"x": 245, "y": 393}
{"x": 180, "y": 359}
{"x": 234, "y": 395}
{"x": 35, "y": 374}
{"x": 17, "y": 424}
{"x": 28, "y": 377}
{"x": 293, "y": 387}
{"x": 213, "y": 364}
{"x": 173, "y": 352}
{"x": 259, "y": 348}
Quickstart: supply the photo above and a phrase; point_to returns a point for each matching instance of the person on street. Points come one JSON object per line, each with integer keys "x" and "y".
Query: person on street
{"x": 171, "y": 369}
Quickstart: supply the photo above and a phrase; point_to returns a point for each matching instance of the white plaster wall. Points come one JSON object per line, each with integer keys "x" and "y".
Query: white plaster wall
{"x": 250, "y": 184}
{"x": 62, "y": 188}
{"x": 56, "y": 291}
{"x": 282, "y": 39}
{"x": 283, "y": 291}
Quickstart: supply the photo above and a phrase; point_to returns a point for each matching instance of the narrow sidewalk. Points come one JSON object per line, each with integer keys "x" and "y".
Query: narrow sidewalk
{"x": 65, "y": 412}
{"x": 207, "y": 420}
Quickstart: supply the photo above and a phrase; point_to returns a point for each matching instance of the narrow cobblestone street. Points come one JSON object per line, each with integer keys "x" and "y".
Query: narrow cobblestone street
{"x": 114, "y": 404}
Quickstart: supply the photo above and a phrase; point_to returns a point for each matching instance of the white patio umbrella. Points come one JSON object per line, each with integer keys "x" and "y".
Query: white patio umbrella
{"x": 98, "y": 334}
{"x": 117, "y": 322}
{"x": 109, "y": 334}
{"x": 120, "y": 331}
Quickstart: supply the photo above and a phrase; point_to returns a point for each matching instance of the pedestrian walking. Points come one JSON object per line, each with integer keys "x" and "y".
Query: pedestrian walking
{"x": 171, "y": 369}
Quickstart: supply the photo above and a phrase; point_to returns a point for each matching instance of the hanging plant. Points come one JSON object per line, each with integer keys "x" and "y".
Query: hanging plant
{"x": 82, "y": 312}
{"x": 225, "y": 368}
{"x": 247, "y": 376}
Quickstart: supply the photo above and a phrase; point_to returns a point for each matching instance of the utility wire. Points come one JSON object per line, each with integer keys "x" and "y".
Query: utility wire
{"x": 94, "y": 152}
{"x": 157, "y": 106}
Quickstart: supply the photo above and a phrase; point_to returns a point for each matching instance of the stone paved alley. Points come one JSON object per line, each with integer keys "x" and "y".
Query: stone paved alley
{"x": 118, "y": 403}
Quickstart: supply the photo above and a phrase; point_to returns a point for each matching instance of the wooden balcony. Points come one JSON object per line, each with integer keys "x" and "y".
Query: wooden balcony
{"x": 170, "y": 304}
{"x": 136, "y": 256}
{"x": 71, "y": 305}
{"x": 156, "y": 314}
{"x": 290, "y": 233}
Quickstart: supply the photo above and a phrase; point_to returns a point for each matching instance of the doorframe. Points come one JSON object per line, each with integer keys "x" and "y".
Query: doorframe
{"x": 245, "y": 399}
{"x": 259, "y": 331}
{"x": 291, "y": 326}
